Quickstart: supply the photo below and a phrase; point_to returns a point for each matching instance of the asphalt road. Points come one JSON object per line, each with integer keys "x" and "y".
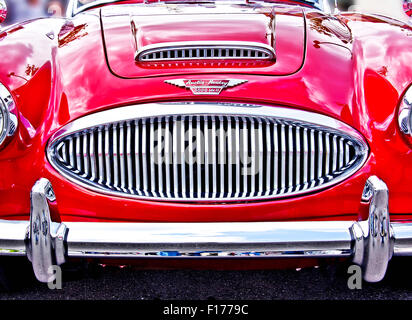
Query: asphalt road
{"x": 116, "y": 283}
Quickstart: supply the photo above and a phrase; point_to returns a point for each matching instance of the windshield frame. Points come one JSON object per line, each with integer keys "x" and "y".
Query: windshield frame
{"x": 73, "y": 8}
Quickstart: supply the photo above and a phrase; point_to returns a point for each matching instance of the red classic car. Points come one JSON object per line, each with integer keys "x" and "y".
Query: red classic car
{"x": 206, "y": 130}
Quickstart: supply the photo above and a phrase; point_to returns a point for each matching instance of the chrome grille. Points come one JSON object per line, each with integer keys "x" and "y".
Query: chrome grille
{"x": 205, "y": 51}
{"x": 197, "y": 157}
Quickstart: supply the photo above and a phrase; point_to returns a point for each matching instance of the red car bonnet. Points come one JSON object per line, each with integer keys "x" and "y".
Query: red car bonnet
{"x": 132, "y": 28}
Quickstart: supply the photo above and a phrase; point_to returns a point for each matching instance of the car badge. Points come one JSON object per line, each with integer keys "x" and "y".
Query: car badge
{"x": 213, "y": 87}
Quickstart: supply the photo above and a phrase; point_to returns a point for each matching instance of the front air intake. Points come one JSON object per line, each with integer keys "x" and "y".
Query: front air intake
{"x": 207, "y": 152}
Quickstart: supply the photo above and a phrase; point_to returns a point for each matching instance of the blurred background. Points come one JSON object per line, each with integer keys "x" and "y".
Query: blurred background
{"x": 21, "y": 10}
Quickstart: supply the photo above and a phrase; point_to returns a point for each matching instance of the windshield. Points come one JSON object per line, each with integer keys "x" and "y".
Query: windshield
{"x": 77, "y": 6}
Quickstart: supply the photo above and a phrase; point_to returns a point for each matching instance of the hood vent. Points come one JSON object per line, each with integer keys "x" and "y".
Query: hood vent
{"x": 213, "y": 50}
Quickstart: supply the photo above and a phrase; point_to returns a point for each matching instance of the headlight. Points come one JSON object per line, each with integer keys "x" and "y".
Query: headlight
{"x": 8, "y": 115}
{"x": 405, "y": 114}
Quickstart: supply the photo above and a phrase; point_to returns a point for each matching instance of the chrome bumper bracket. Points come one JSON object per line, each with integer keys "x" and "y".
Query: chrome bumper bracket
{"x": 374, "y": 238}
{"x": 44, "y": 239}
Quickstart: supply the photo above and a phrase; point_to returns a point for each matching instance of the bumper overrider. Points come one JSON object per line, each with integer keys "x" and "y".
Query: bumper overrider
{"x": 370, "y": 244}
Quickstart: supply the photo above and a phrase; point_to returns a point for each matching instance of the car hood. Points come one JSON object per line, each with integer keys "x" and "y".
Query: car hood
{"x": 128, "y": 29}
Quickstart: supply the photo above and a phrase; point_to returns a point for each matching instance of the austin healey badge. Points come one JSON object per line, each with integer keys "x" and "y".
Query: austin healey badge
{"x": 214, "y": 87}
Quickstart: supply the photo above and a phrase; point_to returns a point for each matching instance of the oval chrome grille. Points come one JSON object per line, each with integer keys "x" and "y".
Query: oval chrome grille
{"x": 190, "y": 156}
{"x": 195, "y": 50}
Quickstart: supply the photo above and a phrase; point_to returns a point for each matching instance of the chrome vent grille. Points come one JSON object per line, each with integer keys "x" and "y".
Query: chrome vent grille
{"x": 207, "y": 64}
{"x": 201, "y": 157}
{"x": 205, "y": 51}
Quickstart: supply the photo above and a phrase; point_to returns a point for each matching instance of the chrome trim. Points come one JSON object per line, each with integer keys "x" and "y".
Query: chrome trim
{"x": 283, "y": 158}
{"x": 374, "y": 238}
{"x": 403, "y": 239}
{"x": 305, "y": 157}
{"x": 405, "y": 113}
{"x": 370, "y": 243}
{"x": 214, "y": 111}
{"x": 268, "y": 161}
{"x": 202, "y": 49}
{"x": 9, "y": 113}
{"x": 312, "y": 156}
{"x": 45, "y": 239}
{"x": 265, "y": 239}
{"x": 12, "y": 235}
{"x": 320, "y": 157}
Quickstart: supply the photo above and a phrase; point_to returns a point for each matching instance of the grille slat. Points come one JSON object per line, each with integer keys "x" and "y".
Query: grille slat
{"x": 205, "y": 51}
{"x": 297, "y": 164}
{"x": 237, "y": 158}
{"x": 168, "y": 155}
{"x": 245, "y": 159}
{"x": 191, "y": 161}
{"x": 230, "y": 157}
{"x": 335, "y": 153}
{"x": 92, "y": 152}
{"x": 341, "y": 152}
{"x": 214, "y": 156}
{"x": 160, "y": 159}
{"x": 305, "y": 158}
{"x": 312, "y": 157}
{"x": 152, "y": 172}
{"x": 64, "y": 152}
{"x": 85, "y": 155}
{"x": 199, "y": 152}
{"x": 253, "y": 168}
{"x": 100, "y": 155}
{"x": 261, "y": 155}
{"x": 276, "y": 156}
{"x": 108, "y": 158}
{"x": 78, "y": 155}
{"x": 144, "y": 160}
{"x": 72, "y": 153}
{"x": 328, "y": 155}
{"x": 268, "y": 158}
{"x": 183, "y": 156}
{"x": 129, "y": 158}
{"x": 291, "y": 160}
{"x": 283, "y": 158}
{"x": 206, "y": 157}
{"x": 175, "y": 157}
{"x": 347, "y": 152}
{"x": 222, "y": 154}
{"x": 115, "y": 159}
{"x": 137, "y": 156}
{"x": 320, "y": 155}
{"x": 122, "y": 158}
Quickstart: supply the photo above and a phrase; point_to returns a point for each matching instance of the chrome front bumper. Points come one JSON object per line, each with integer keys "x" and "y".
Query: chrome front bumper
{"x": 370, "y": 244}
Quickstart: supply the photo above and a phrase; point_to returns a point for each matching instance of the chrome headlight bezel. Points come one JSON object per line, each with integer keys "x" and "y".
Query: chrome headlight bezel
{"x": 8, "y": 126}
{"x": 405, "y": 113}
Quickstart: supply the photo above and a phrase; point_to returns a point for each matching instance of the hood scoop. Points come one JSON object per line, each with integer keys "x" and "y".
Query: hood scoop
{"x": 152, "y": 40}
{"x": 201, "y": 50}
